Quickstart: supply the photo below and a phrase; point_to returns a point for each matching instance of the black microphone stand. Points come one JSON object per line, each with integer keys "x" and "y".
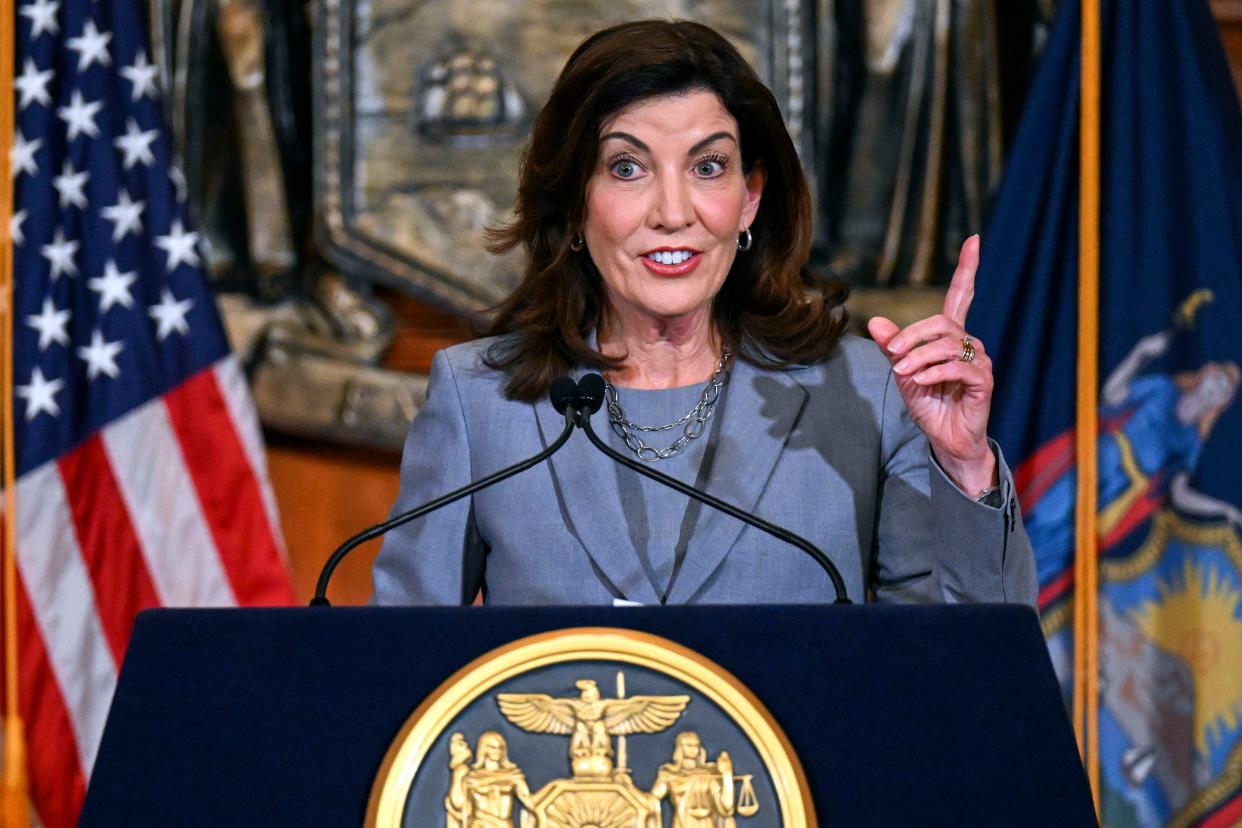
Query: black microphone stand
{"x": 591, "y": 396}
{"x": 563, "y": 391}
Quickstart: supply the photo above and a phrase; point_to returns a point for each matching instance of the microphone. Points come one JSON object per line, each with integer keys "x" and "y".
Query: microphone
{"x": 591, "y": 397}
{"x": 563, "y": 393}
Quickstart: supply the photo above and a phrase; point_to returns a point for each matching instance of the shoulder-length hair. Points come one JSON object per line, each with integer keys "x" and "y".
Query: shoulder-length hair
{"x": 766, "y": 311}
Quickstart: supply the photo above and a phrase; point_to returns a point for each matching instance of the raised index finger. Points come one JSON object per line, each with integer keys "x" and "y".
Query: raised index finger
{"x": 962, "y": 288}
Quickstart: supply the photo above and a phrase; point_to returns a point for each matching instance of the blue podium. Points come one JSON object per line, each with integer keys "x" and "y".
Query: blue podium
{"x": 922, "y": 716}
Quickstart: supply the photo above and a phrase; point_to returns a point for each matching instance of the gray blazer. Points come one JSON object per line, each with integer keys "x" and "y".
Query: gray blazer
{"x": 828, "y": 451}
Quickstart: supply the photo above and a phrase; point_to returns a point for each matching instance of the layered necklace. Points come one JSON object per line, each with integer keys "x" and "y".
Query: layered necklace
{"x": 692, "y": 423}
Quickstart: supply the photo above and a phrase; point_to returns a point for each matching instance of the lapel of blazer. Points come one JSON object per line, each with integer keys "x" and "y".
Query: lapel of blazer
{"x": 586, "y": 482}
{"x": 760, "y": 410}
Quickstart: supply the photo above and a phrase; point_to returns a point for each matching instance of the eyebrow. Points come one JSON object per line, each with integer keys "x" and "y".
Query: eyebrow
{"x": 625, "y": 136}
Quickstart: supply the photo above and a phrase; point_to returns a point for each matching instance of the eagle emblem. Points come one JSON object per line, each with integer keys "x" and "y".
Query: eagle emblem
{"x": 591, "y": 720}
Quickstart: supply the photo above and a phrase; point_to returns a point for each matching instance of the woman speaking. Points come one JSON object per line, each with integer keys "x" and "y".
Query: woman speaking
{"x": 666, "y": 224}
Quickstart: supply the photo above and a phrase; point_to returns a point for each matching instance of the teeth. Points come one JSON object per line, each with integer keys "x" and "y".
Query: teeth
{"x": 670, "y": 257}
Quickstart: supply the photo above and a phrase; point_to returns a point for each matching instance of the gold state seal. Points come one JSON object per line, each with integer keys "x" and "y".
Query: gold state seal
{"x": 487, "y": 787}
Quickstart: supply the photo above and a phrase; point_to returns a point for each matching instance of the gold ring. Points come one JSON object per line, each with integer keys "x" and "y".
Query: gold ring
{"x": 968, "y": 350}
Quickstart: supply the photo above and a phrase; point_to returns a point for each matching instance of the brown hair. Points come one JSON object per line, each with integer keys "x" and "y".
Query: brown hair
{"x": 764, "y": 311}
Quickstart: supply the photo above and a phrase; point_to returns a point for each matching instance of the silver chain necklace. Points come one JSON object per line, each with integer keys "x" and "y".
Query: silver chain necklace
{"x": 694, "y": 420}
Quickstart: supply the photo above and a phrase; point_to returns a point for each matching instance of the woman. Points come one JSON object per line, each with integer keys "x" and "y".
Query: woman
{"x": 492, "y": 785}
{"x": 667, "y": 222}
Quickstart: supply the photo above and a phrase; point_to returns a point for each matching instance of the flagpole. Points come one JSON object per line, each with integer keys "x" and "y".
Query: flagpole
{"x": 14, "y": 793}
{"x": 1086, "y": 591}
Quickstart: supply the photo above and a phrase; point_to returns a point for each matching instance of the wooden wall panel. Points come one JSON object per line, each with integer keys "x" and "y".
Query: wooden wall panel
{"x": 326, "y": 493}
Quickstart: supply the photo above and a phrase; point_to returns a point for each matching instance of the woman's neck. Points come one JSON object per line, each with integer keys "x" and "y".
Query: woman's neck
{"x": 661, "y": 353}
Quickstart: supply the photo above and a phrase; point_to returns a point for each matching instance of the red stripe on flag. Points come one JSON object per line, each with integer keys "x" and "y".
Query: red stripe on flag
{"x": 57, "y": 785}
{"x": 109, "y": 545}
{"x": 1230, "y": 816}
{"x": 1043, "y": 468}
{"x": 1054, "y": 589}
{"x": 228, "y": 492}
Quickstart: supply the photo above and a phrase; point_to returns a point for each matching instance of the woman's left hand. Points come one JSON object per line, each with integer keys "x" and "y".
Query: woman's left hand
{"x": 947, "y": 393}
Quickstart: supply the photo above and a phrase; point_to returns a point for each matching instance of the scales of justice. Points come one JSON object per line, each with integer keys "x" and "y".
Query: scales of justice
{"x": 486, "y": 784}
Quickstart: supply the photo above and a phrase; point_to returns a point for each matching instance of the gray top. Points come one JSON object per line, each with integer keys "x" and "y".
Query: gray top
{"x": 661, "y": 521}
{"x": 827, "y": 451}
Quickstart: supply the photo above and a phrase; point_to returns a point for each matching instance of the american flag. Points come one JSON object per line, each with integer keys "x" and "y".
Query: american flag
{"x": 141, "y": 473}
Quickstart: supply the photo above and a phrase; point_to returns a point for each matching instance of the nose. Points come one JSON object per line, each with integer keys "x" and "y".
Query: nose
{"x": 672, "y": 209}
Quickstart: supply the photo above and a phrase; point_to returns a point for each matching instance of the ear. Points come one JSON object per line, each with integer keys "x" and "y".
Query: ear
{"x": 755, "y": 180}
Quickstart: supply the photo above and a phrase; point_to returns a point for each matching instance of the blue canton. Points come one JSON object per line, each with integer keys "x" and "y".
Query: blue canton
{"x": 111, "y": 305}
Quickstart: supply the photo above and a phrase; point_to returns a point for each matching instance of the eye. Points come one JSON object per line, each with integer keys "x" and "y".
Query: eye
{"x": 711, "y": 166}
{"x": 625, "y": 168}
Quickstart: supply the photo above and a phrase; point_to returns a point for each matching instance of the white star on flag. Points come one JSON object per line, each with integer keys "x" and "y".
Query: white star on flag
{"x": 142, "y": 75}
{"x": 32, "y": 84}
{"x": 15, "y": 227}
{"x": 42, "y": 17}
{"x": 126, "y": 216}
{"x": 50, "y": 323}
{"x": 60, "y": 255}
{"x": 22, "y": 155}
{"x": 40, "y": 395}
{"x": 136, "y": 144}
{"x": 169, "y": 315}
{"x": 79, "y": 115}
{"x": 113, "y": 287}
{"x": 101, "y": 356}
{"x": 179, "y": 245}
{"x": 91, "y": 46}
{"x": 69, "y": 184}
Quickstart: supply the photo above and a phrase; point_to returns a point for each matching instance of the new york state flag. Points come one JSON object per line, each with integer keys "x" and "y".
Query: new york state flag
{"x": 1169, "y": 443}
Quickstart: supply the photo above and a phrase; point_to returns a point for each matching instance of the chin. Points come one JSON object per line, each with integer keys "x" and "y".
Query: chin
{"x": 672, "y": 300}
{"x": 675, "y": 310}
